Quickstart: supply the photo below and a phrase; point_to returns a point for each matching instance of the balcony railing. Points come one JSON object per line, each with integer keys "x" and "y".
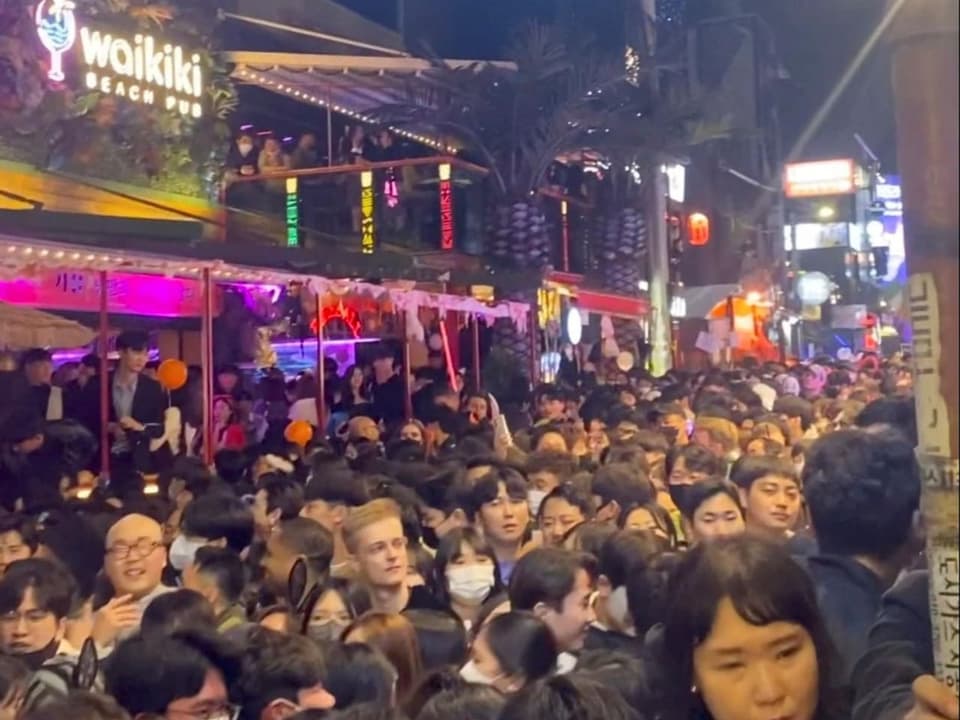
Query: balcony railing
{"x": 417, "y": 204}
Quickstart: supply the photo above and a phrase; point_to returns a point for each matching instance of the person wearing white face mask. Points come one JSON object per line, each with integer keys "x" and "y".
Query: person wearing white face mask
{"x": 465, "y": 573}
{"x": 623, "y": 553}
{"x": 511, "y": 650}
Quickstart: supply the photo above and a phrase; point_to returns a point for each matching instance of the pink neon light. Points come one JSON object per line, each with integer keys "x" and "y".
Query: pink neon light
{"x": 129, "y": 294}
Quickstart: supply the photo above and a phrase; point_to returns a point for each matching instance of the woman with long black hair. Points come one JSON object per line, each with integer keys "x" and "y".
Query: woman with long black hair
{"x": 744, "y": 640}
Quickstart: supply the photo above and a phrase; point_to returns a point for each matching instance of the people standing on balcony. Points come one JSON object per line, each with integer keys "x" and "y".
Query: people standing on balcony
{"x": 304, "y": 155}
{"x": 272, "y": 159}
{"x": 242, "y": 161}
{"x": 387, "y": 150}
{"x": 354, "y": 149}
{"x": 387, "y": 387}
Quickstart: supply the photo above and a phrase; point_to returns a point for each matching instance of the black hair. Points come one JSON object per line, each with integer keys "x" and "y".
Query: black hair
{"x": 862, "y": 488}
{"x": 34, "y": 355}
{"x": 336, "y": 485}
{"x": 652, "y": 441}
{"x": 91, "y": 360}
{"x": 147, "y": 673}
{"x": 233, "y": 466}
{"x": 523, "y": 645}
{"x": 487, "y": 488}
{"x": 627, "y": 675}
{"x": 80, "y": 705}
{"x": 54, "y": 588}
{"x": 763, "y": 584}
{"x": 568, "y": 697}
{"x": 750, "y": 468}
{"x": 358, "y": 673}
{"x": 136, "y": 340}
{"x": 795, "y": 407}
{"x": 627, "y": 452}
{"x": 283, "y": 493}
{"x": 310, "y": 539}
{"x": 476, "y": 702}
{"x": 559, "y": 463}
{"x": 589, "y": 536}
{"x": 449, "y": 421}
{"x": 178, "y": 610}
{"x": 701, "y": 492}
{"x": 696, "y": 459}
{"x": 276, "y": 666}
{"x": 577, "y": 497}
{"x": 449, "y": 550}
{"x": 547, "y": 575}
{"x": 215, "y": 516}
{"x": 225, "y": 568}
{"x": 647, "y": 596}
{"x": 897, "y": 412}
{"x": 660, "y": 516}
{"x": 196, "y": 476}
{"x": 625, "y": 551}
{"x": 623, "y": 483}
{"x": 24, "y": 526}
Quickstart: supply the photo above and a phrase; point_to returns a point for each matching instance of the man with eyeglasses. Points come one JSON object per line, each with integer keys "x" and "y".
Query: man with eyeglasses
{"x": 134, "y": 562}
{"x": 181, "y": 677}
{"x": 36, "y": 596}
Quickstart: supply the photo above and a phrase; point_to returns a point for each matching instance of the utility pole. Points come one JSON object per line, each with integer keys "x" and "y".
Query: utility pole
{"x": 660, "y": 320}
{"x": 925, "y": 78}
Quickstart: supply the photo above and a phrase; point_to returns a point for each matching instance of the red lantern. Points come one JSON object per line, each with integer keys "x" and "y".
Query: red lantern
{"x": 698, "y": 229}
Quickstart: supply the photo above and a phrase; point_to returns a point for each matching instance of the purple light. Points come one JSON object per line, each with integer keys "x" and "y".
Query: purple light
{"x": 65, "y": 356}
{"x": 246, "y": 127}
{"x": 288, "y": 138}
{"x": 312, "y": 343}
{"x": 249, "y": 288}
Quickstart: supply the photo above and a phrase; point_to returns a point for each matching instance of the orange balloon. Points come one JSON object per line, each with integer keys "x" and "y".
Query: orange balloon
{"x": 298, "y": 432}
{"x": 172, "y": 374}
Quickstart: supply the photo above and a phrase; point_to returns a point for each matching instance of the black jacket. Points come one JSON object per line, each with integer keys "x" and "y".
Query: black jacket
{"x": 149, "y": 405}
{"x": 899, "y": 650}
{"x": 849, "y": 596}
{"x": 611, "y": 641}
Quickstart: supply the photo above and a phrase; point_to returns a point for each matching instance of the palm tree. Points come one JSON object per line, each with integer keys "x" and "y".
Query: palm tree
{"x": 558, "y": 98}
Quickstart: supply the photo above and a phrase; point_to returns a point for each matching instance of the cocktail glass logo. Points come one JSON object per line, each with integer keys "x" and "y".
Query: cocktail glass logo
{"x": 141, "y": 69}
{"x": 57, "y": 28}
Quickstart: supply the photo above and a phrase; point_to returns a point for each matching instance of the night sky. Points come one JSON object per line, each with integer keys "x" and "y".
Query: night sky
{"x": 816, "y": 39}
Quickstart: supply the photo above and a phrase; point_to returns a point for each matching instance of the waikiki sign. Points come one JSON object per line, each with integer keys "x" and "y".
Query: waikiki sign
{"x": 142, "y": 69}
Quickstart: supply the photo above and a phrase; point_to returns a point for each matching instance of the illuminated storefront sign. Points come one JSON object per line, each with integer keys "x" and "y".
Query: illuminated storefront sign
{"x": 293, "y": 212}
{"x": 446, "y": 207}
{"x": 548, "y": 307}
{"x": 817, "y": 179}
{"x": 367, "y": 228}
{"x": 142, "y": 69}
{"x": 127, "y": 293}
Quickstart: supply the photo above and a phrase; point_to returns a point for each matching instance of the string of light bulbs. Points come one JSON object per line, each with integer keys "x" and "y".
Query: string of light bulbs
{"x": 308, "y": 97}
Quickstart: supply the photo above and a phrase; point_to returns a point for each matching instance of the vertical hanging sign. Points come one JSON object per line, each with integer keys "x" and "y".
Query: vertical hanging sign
{"x": 367, "y": 227}
{"x": 293, "y": 212}
{"x": 565, "y": 227}
{"x": 446, "y": 207}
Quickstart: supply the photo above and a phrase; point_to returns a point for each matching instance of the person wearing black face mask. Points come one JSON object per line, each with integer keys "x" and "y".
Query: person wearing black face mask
{"x": 36, "y": 596}
{"x": 687, "y": 466}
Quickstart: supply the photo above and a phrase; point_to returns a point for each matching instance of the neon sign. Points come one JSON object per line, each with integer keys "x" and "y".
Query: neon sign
{"x": 57, "y": 28}
{"x": 446, "y": 208}
{"x": 143, "y": 70}
{"x": 821, "y": 178}
{"x": 349, "y": 316}
{"x": 293, "y": 212}
{"x": 367, "y": 237}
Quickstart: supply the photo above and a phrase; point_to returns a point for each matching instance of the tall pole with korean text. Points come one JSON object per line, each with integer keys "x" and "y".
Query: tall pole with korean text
{"x": 925, "y": 80}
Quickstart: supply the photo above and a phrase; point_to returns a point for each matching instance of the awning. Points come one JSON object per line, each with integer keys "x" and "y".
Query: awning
{"x": 700, "y": 301}
{"x": 351, "y": 85}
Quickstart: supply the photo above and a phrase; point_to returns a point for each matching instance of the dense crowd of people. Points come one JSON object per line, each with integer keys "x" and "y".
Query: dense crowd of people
{"x": 728, "y": 545}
